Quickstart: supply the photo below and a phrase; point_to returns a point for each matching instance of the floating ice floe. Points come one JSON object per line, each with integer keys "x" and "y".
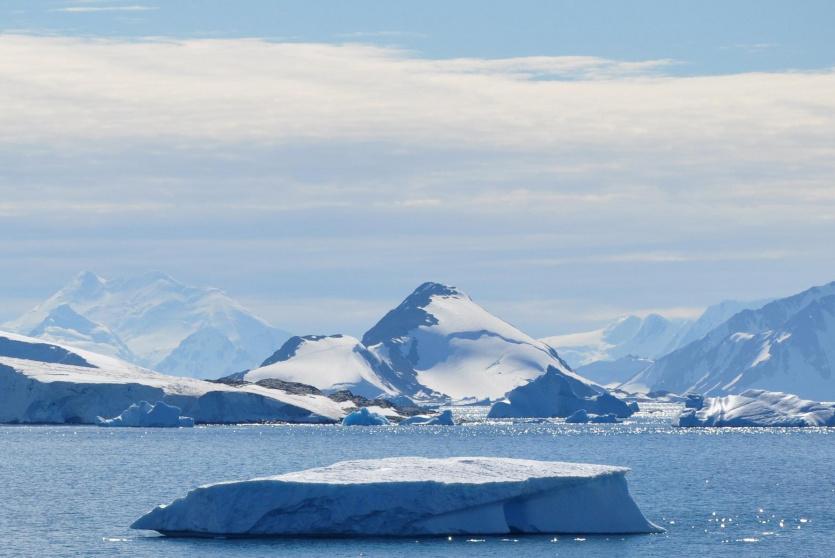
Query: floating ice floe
{"x": 443, "y": 419}
{"x": 411, "y": 496}
{"x": 364, "y": 417}
{"x": 756, "y": 407}
{"x": 582, "y": 417}
{"x": 144, "y": 414}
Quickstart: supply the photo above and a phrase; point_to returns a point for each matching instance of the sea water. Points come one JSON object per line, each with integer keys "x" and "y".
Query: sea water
{"x": 74, "y": 490}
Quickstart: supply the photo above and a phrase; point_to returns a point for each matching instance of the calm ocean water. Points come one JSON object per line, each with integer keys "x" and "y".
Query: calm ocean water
{"x": 73, "y": 491}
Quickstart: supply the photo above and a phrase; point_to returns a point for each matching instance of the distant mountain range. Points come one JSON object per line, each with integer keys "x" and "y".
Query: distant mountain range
{"x": 787, "y": 345}
{"x": 649, "y": 337}
{"x": 154, "y": 321}
{"x": 437, "y": 342}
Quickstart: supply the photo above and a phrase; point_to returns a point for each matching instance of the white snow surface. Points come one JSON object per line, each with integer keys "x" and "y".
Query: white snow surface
{"x": 442, "y": 340}
{"x": 329, "y": 363}
{"x": 411, "y": 496}
{"x": 33, "y": 391}
{"x": 756, "y": 407}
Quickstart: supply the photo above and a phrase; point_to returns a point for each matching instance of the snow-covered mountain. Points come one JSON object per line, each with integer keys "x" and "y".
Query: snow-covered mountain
{"x": 787, "y": 345}
{"x": 329, "y": 363}
{"x": 164, "y": 324}
{"x": 43, "y": 382}
{"x": 646, "y": 337}
{"x": 614, "y": 372}
{"x": 439, "y": 340}
{"x": 711, "y": 318}
{"x": 63, "y": 324}
{"x": 649, "y": 337}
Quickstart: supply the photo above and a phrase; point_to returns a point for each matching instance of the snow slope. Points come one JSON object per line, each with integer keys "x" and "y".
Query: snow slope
{"x": 756, "y": 407}
{"x": 45, "y": 383}
{"x": 329, "y": 363}
{"x": 787, "y": 345}
{"x": 650, "y": 337}
{"x": 614, "y": 372}
{"x": 439, "y": 340}
{"x": 157, "y": 317}
{"x": 411, "y": 496}
{"x": 65, "y": 325}
{"x": 630, "y": 335}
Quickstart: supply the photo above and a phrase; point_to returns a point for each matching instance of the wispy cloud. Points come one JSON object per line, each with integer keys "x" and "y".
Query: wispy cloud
{"x": 382, "y": 34}
{"x": 96, "y": 9}
{"x": 752, "y": 48}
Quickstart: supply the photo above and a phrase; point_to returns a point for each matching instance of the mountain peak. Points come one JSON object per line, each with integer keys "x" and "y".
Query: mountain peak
{"x": 87, "y": 285}
{"x": 430, "y": 289}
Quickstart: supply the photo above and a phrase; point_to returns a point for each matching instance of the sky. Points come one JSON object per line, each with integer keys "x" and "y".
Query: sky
{"x": 563, "y": 162}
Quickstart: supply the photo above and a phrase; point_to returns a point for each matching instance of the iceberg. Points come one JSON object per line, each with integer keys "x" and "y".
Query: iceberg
{"x": 443, "y": 419}
{"x": 411, "y": 496}
{"x": 364, "y": 417}
{"x": 694, "y": 401}
{"x": 578, "y": 417}
{"x": 608, "y": 418}
{"x": 144, "y": 414}
{"x": 756, "y": 407}
{"x": 557, "y": 395}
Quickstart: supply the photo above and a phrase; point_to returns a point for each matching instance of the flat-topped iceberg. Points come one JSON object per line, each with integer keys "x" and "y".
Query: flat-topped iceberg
{"x": 756, "y": 407}
{"x": 555, "y": 394}
{"x": 411, "y": 496}
{"x": 144, "y": 414}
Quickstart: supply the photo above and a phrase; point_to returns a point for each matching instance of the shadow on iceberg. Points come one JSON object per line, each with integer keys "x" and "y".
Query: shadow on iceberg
{"x": 555, "y": 394}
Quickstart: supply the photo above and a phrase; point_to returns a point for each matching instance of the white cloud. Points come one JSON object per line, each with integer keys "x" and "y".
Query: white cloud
{"x": 341, "y": 170}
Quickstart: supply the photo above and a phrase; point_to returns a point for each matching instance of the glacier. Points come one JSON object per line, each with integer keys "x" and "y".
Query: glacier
{"x": 411, "y": 496}
{"x": 144, "y": 414}
{"x": 555, "y": 394}
{"x": 47, "y": 383}
{"x": 756, "y": 407}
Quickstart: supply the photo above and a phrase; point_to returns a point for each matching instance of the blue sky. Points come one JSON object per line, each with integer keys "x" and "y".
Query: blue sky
{"x": 564, "y": 162}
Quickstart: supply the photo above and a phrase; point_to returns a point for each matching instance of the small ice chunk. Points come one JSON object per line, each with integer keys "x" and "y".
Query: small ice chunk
{"x": 443, "y": 419}
{"x": 144, "y": 414}
{"x": 578, "y": 417}
{"x": 364, "y": 417}
{"x": 608, "y": 418}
